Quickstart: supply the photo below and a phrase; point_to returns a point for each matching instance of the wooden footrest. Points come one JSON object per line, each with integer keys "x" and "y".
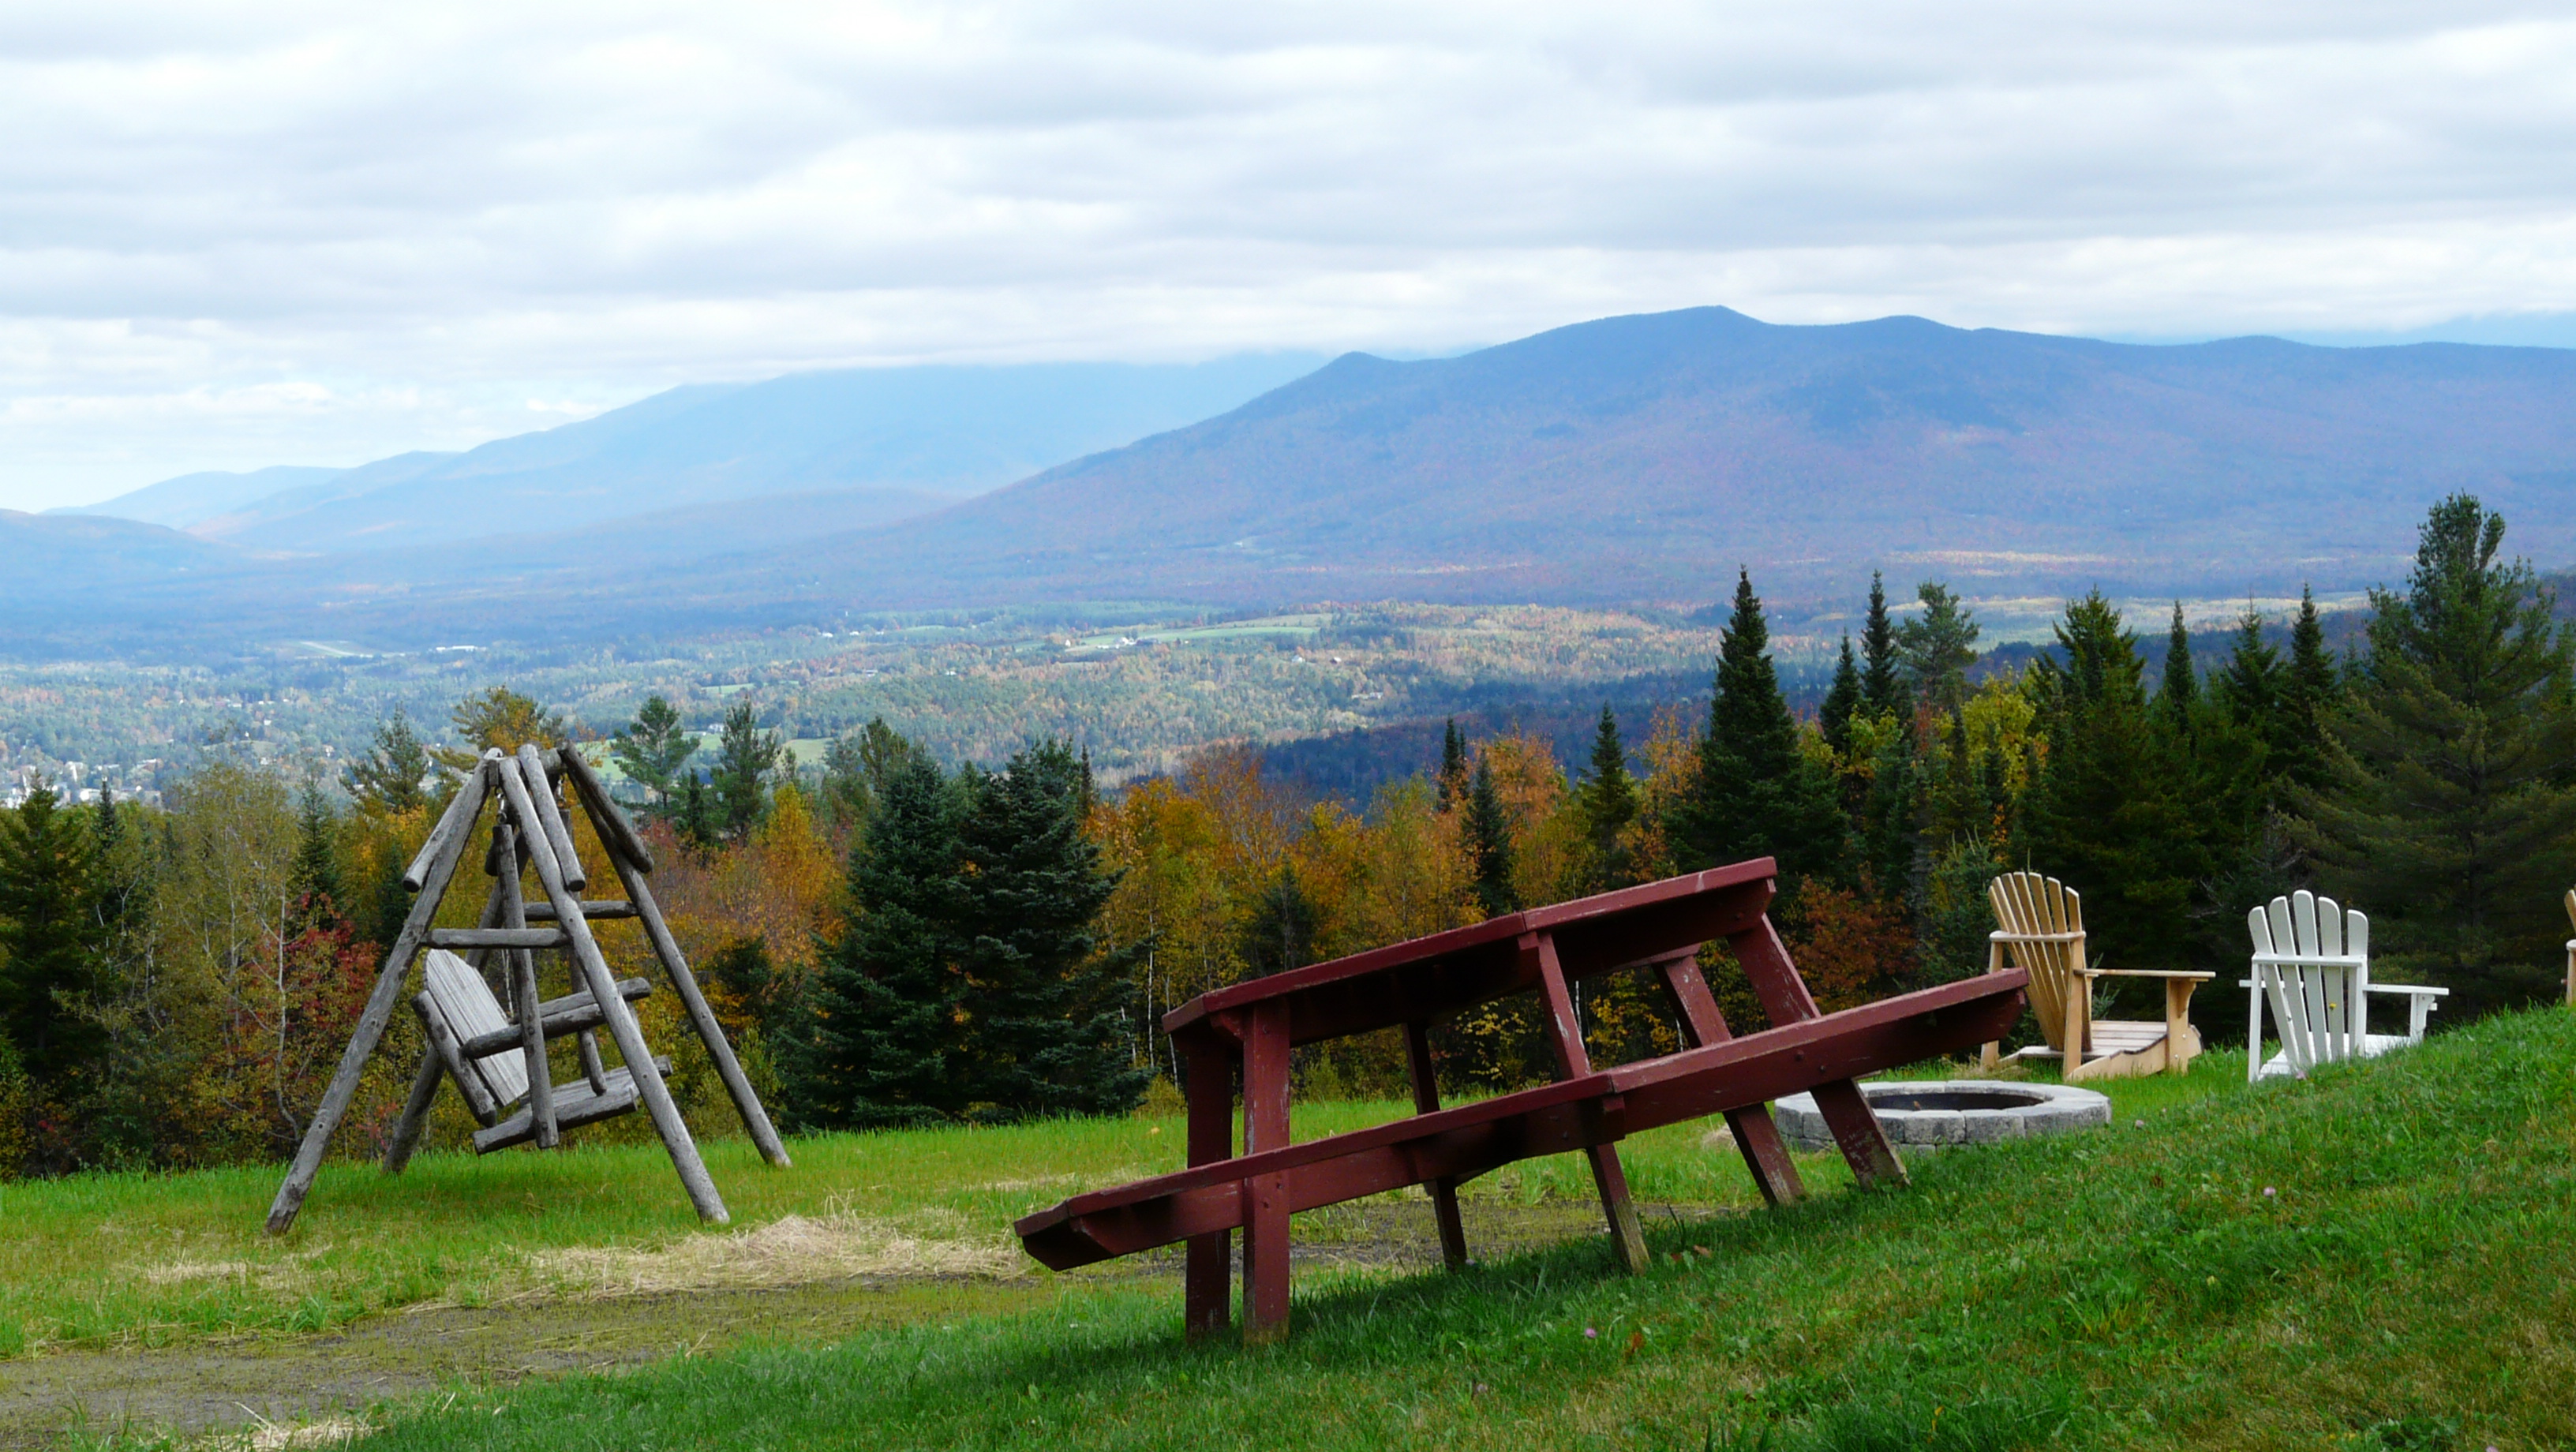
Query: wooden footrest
{"x": 1598, "y": 1108}
{"x": 576, "y": 1104}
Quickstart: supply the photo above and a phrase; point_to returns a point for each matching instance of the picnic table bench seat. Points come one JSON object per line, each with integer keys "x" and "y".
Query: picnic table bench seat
{"x": 1243, "y": 1034}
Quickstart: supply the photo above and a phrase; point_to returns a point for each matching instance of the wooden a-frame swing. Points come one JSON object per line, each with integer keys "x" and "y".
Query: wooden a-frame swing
{"x": 496, "y": 1060}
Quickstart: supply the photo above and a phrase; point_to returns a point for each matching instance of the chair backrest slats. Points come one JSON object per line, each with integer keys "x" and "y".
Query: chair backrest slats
{"x": 2319, "y": 996}
{"x": 2043, "y": 922}
{"x": 466, "y": 1002}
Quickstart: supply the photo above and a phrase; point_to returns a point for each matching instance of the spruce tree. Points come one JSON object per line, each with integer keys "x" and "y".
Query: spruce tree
{"x": 314, "y": 881}
{"x": 2447, "y": 811}
{"x": 387, "y": 779}
{"x": 1048, "y": 1032}
{"x": 1842, "y": 699}
{"x": 1453, "y": 765}
{"x": 2251, "y": 691}
{"x": 652, "y": 750}
{"x": 2110, "y": 813}
{"x": 739, "y": 781}
{"x": 1279, "y": 934}
{"x": 2178, "y": 694}
{"x": 1933, "y": 653}
{"x": 1758, "y": 794}
{"x": 1609, "y": 803}
{"x": 2312, "y": 694}
{"x": 889, "y": 1042}
{"x": 1881, "y": 689}
{"x": 48, "y": 941}
{"x": 1489, "y": 844}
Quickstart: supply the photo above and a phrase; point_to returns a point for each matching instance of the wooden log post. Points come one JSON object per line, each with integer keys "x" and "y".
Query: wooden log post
{"x": 1756, "y": 1137}
{"x": 550, "y": 819}
{"x": 1443, "y": 1190}
{"x": 614, "y": 831}
{"x": 433, "y": 875}
{"x": 524, "y": 1005}
{"x": 1857, "y": 1132}
{"x": 622, "y": 1026}
{"x": 1573, "y": 1061}
{"x": 415, "y": 1115}
{"x": 1265, "y": 1197}
{"x": 1208, "y": 1073}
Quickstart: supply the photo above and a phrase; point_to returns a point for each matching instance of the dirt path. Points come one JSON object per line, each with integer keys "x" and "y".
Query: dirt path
{"x": 290, "y": 1381}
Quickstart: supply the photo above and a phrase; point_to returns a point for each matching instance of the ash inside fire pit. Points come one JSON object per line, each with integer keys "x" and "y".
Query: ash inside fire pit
{"x": 1959, "y": 1111}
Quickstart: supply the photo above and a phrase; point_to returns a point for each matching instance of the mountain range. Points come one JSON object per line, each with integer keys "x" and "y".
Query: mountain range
{"x": 1629, "y": 460}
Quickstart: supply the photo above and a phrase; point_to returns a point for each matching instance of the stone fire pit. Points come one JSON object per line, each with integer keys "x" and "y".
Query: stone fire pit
{"x": 1935, "y": 1114}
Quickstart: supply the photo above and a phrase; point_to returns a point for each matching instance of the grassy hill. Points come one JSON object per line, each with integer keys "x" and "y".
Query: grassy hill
{"x": 2383, "y": 1258}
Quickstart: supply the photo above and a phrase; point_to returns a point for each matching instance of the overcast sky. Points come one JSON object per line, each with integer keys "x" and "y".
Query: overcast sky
{"x": 275, "y": 233}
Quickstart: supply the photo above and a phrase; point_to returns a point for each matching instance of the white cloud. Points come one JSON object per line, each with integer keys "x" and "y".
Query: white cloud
{"x": 296, "y": 233}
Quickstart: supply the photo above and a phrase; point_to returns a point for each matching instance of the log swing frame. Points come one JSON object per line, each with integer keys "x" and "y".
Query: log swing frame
{"x": 530, "y": 830}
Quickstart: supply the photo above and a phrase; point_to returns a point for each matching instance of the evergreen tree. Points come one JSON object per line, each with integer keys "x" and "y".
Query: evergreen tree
{"x": 1842, "y": 699}
{"x": 652, "y": 750}
{"x": 1881, "y": 689}
{"x": 314, "y": 880}
{"x": 1890, "y": 837}
{"x": 1048, "y": 1034}
{"x": 856, "y": 768}
{"x": 1453, "y": 765}
{"x": 695, "y": 820}
{"x": 387, "y": 779}
{"x": 1279, "y": 934}
{"x": 1933, "y": 653}
{"x": 2251, "y": 690}
{"x": 2312, "y": 694}
{"x": 1609, "y": 803}
{"x": 2448, "y": 812}
{"x": 48, "y": 947}
{"x": 2110, "y": 813}
{"x": 889, "y": 1041}
{"x": 1489, "y": 844}
{"x": 2178, "y": 694}
{"x": 1758, "y": 794}
{"x": 739, "y": 780}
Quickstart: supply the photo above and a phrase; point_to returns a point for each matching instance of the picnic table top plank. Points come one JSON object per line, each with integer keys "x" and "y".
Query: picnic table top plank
{"x": 1444, "y": 973}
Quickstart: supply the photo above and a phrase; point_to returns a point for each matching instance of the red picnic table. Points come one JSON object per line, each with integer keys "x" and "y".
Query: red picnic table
{"x": 1248, "y": 1030}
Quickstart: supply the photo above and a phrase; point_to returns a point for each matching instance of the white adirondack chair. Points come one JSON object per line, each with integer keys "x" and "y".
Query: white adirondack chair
{"x": 2312, "y": 965}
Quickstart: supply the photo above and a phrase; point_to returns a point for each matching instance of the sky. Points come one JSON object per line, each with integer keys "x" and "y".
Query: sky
{"x": 266, "y": 233}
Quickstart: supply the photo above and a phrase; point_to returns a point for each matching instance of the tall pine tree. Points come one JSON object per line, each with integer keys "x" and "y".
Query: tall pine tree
{"x": 2311, "y": 694}
{"x": 1453, "y": 765}
{"x": 1933, "y": 653}
{"x": 1881, "y": 688}
{"x": 890, "y": 1039}
{"x": 2178, "y": 694}
{"x": 387, "y": 779}
{"x": 1047, "y": 1033}
{"x": 652, "y": 750}
{"x": 2447, "y": 811}
{"x": 1608, "y": 798}
{"x": 1489, "y": 844}
{"x": 48, "y": 941}
{"x": 1842, "y": 699}
{"x": 1758, "y": 794}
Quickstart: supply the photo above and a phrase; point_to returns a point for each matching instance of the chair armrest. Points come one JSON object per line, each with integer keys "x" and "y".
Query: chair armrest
{"x": 2152, "y": 973}
{"x": 2405, "y": 988}
{"x": 2001, "y": 936}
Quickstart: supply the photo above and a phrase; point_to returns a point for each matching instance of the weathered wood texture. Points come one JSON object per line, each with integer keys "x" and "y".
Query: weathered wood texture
{"x": 550, "y": 820}
{"x": 605, "y": 816}
{"x": 370, "y": 1029}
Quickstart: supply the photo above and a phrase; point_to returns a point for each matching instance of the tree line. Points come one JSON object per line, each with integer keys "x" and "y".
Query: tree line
{"x": 894, "y": 941}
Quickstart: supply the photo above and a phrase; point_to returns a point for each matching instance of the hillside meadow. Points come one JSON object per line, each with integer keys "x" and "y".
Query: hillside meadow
{"x": 2381, "y": 1258}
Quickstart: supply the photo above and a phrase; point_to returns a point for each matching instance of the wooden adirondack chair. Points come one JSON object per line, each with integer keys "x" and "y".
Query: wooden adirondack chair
{"x": 2312, "y": 965}
{"x": 2043, "y": 934}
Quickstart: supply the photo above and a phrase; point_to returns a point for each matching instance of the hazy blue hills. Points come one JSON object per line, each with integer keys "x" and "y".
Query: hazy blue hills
{"x": 1645, "y": 457}
{"x": 880, "y": 434}
{"x": 1634, "y": 459}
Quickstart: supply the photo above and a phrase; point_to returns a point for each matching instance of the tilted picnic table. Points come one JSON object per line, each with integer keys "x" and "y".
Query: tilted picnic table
{"x": 1248, "y": 1030}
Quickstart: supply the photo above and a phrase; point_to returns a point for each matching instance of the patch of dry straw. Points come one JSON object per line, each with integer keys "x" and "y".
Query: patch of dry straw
{"x": 795, "y": 1250}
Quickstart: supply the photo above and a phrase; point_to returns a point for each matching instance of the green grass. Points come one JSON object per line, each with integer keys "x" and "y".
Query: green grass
{"x": 2383, "y": 1258}
{"x": 157, "y": 1260}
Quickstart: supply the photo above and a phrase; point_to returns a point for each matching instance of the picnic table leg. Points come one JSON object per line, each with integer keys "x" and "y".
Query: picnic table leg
{"x": 1265, "y": 1197}
{"x": 1857, "y": 1132}
{"x": 1444, "y": 1191}
{"x": 1565, "y": 1034}
{"x": 1755, "y": 1135}
{"x": 1210, "y": 1089}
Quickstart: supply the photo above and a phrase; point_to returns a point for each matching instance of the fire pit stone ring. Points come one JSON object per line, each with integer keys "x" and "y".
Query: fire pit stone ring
{"x": 1923, "y": 1115}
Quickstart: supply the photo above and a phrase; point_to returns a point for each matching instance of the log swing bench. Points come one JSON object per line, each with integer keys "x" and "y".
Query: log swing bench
{"x": 1245, "y": 1033}
{"x": 498, "y": 1059}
